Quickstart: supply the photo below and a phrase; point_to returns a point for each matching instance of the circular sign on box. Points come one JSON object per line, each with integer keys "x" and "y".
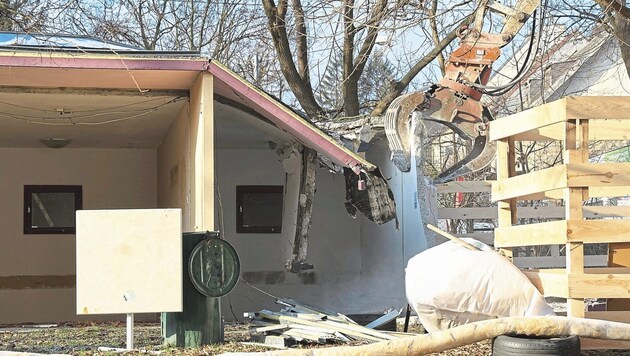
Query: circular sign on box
{"x": 214, "y": 267}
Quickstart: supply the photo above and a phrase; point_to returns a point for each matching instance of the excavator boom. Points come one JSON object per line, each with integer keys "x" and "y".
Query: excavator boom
{"x": 455, "y": 101}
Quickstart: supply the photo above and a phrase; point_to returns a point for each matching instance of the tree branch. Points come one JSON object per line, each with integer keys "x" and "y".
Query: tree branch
{"x": 276, "y": 17}
{"x": 399, "y": 86}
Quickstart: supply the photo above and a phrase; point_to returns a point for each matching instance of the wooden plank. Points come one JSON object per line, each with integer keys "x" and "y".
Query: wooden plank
{"x": 598, "y": 344}
{"x": 605, "y": 191}
{"x": 556, "y": 194}
{"x": 598, "y": 231}
{"x": 551, "y": 283}
{"x": 546, "y": 233}
{"x": 609, "y": 129}
{"x": 598, "y": 174}
{"x": 591, "y": 285}
{"x": 594, "y": 107}
{"x": 618, "y": 316}
{"x": 37, "y": 282}
{"x": 465, "y": 187}
{"x": 573, "y": 200}
{"x": 506, "y": 161}
{"x": 530, "y": 183}
{"x": 528, "y": 120}
{"x": 553, "y": 132}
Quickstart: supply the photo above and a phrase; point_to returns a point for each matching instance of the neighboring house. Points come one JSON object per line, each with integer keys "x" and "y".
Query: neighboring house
{"x": 150, "y": 129}
{"x": 569, "y": 64}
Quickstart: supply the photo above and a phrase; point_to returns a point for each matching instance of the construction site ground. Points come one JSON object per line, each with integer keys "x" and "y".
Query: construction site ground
{"x": 86, "y": 338}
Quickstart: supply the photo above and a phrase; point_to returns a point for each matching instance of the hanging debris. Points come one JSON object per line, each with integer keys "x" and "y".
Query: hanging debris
{"x": 369, "y": 193}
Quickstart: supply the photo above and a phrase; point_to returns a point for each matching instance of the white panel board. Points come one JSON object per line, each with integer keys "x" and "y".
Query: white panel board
{"x": 129, "y": 261}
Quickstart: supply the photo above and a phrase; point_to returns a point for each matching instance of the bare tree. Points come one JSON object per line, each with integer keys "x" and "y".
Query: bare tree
{"x": 354, "y": 30}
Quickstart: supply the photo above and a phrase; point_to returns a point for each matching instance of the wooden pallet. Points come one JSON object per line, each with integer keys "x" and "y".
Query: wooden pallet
{"x": 573, "y": 121}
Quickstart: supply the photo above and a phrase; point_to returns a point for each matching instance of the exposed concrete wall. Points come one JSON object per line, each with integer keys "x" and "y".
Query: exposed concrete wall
{"x": 359, "y": 266}
{"x": 110, "y": 179}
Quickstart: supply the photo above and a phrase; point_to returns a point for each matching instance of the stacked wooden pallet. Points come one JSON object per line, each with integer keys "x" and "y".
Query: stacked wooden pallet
{"x": 574, "y": 121}
{"x": 301, "y": 323}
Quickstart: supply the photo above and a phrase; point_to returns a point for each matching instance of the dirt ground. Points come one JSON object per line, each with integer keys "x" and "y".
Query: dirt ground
{"x": 85, "y": 339}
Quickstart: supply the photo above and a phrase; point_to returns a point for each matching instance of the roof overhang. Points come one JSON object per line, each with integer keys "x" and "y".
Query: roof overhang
{"x": 54, "y": 70}
{"x": 154, "y": 72}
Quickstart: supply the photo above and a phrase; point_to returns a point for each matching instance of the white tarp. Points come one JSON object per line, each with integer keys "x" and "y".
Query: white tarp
{"x": 449, "y": 285}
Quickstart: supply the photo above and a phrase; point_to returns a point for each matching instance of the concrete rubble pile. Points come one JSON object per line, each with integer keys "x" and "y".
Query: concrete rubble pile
{"x": 306, "y": 324}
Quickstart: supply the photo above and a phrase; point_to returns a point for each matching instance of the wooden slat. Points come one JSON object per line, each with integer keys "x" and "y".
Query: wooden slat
{"x": 528, "y": 120}
{"x": 556, "y": 194}
{"x": 599, "y": 286}
{"x": 553, "y": 132}
{"x": 550, "y": 282}
{"x": 597, "y": 107}
{"x": 465, "y": 187}
{"x": 546, "y": 233}
{"x": 600, "y": 192}
{"x": 37, "y": 282}
{"x": 598, "y": 231}
{"x": 598, "y": 174}
{"x": 609, "y": 129}
{"x": 598, "y": 344}
{"x": 618, "y": 316}
{"x": 530, "y": 183}
{"x": 506, "y": 168}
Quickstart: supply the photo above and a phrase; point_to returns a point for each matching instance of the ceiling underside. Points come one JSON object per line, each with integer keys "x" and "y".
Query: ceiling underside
{"x": 118, "y": 119}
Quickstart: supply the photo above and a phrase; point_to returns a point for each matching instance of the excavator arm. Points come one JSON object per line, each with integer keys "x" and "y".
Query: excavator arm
{"x": 455, "y": 101}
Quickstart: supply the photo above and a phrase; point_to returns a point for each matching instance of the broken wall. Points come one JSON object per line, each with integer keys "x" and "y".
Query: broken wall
{"x": 358, "y": 265}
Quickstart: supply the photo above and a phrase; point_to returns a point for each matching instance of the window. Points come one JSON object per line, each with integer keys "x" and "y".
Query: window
{"x": 259, "y": 209}
{"x": 50, "y": 209}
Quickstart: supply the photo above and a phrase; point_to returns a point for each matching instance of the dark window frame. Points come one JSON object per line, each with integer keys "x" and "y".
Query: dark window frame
{"x": 241, "y": 190}
{"x": 30, "y": 189}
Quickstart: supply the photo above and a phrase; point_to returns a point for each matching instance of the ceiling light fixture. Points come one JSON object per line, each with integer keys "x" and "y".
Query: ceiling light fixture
{"x": 55, "y": 142}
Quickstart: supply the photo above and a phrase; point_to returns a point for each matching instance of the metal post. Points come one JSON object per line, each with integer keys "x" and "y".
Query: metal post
{"x": 129, "y": 331}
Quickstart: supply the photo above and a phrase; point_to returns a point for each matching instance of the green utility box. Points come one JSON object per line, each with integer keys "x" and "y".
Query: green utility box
{"x": 211, "y": 269}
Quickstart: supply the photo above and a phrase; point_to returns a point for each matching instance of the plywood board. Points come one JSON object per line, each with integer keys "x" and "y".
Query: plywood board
{"x": 129, "y": 261}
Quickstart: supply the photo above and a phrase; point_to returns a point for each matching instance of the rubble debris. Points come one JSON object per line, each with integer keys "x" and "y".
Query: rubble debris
{"x": 303, "y": 323}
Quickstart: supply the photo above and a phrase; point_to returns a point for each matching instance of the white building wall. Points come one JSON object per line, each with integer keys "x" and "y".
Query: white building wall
{"x": 359, "y": 266}
{"x": 110, "y": 179}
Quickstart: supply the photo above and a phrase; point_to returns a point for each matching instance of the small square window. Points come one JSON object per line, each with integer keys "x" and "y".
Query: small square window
{"x": 50, "y": 209}
{"x": 259, "y": 209}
